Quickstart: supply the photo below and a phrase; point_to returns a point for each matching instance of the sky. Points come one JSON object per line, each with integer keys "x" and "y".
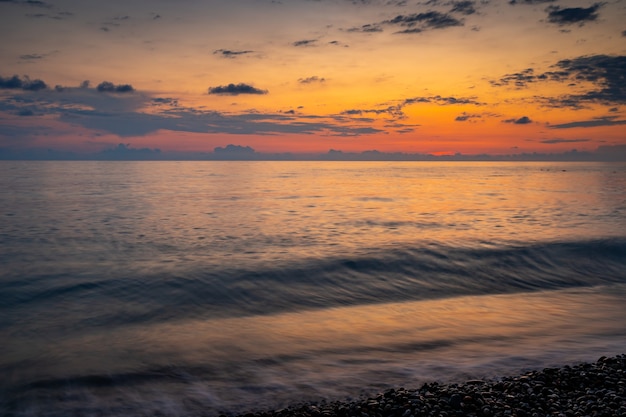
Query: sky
{"x": 308, "y": 76}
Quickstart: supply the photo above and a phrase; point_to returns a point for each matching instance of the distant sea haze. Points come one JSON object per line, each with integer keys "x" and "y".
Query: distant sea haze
{"x": 202, "y": 287}
{"x": 127, "y": 152}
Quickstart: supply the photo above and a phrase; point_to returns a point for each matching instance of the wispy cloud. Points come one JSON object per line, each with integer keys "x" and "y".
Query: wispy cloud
{"x": 467, "y": 117}
{"x": 418, "y": 22}
{"x": 558, "y": 141}
{"x": 605, "y": 121}
{"x": 368, "y": 28}
{"x": 514, "y": 2}
{"x": 227, "y": 53}
{"x": 311, "y": 80}
{"x": 465, "y": 7}
{"x": 305, "y": 42}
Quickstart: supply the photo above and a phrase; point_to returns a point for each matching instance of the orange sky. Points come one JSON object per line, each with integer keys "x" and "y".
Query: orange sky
{"x": 305, "y": 76}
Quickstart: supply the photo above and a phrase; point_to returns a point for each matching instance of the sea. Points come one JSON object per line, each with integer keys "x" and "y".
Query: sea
{"x": 223, "y": 287}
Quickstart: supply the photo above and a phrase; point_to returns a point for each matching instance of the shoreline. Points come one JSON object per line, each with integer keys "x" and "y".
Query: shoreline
{"x": 594, "y": 389}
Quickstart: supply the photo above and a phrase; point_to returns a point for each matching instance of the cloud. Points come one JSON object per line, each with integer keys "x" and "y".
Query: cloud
{"x": 369, "y": 28}
{"x": 558, "y": 140}
{"x": 604, "y": 121}
{"x": 17, "y": 83}
{"x": 465, "y": 117}
{"x": 109, "y": 87}
{"x": 524, "y": 120}
{"x": 465, "y": 7}
{"x": 165, "y": 101}
{"x": 37, "y": 3}
{"x": 605, "y": 72}
{"x": 29, "y": 57}
{"x": 572, "y": 15}
{"x": 514, "y": 2}
{"x": 139, "y": 114}
{"x": 226, "y": 53}
{"x": 235, "y": 152}
{"x": 310, "y": 80}
{"x": 624, "y": 33}
{"x": 418, "y": 22}
{"x": 34, "y": 3}
{"x": 236, "y": 89}
{"x": 305, "y": 42}
{"x": 396, "y": 111}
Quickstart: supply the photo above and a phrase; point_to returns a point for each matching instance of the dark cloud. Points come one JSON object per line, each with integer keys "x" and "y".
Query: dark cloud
{"x": 34, "y": 3}
{"x": 572, "y": 15}
{"x": 29, "y": 57}
{"x": 624, "y": 33}
{"x": 236, "y": 89}
{"x": 557, "y": 141}
{"x": 109, "y": 87}
{"x": 396, "y": 111}
{"x": 305, "y": 42}
{"x": 442, "y": 101}
{"x": 227, "y": 53}
{"x": 465, "y": 7}
{"x": 369, "y": 28}
{"x": 310, "y": 80}
{"x": 604, "y": 121}
{"x": 17, "y": 83}
{"x": 530, "y": 1}
{"x": 527, "y": 76}
{"x": 418, "y": 22}
{"x": 524, "y": 120}
{"x": 37, "y": 3}
{"x": 165, "y": 101}
{"x": 606, "y": 72}
{"x": 235, "y": 152}
{"x": 465, "y": 117}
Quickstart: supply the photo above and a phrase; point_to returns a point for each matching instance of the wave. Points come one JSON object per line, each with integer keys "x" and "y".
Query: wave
{"x": 396, "y": 275}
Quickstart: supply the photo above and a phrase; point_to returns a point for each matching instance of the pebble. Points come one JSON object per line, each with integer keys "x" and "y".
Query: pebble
{"x": 589, "y": 389}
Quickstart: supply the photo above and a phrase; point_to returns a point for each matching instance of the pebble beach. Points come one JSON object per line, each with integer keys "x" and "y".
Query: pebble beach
{"x": 589, "y": 389}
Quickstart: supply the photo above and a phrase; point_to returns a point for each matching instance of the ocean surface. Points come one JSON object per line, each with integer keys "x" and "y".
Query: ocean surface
{"x": 200, "y": 288}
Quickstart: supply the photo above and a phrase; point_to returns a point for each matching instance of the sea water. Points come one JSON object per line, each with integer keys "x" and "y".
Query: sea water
{"x": 201, "y": 288}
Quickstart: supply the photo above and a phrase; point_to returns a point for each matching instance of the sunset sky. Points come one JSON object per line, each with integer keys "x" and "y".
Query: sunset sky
{"x": 306, "y": 76}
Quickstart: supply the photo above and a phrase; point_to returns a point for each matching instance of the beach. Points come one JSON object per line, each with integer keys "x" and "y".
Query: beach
{"x": 595, "y": 389}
